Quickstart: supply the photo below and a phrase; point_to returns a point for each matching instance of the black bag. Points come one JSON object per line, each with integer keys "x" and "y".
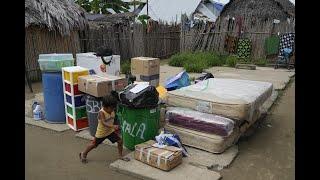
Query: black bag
{"x": 148, "y": 97}
{"x": 203, "y": 77}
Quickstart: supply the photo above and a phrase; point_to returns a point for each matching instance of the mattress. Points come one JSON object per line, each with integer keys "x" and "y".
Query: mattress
{"x": 202, "y": 122}
{"x": 231, "y": 98}
{"x": 212, "y": 142}
{"x": 207, "y": 142}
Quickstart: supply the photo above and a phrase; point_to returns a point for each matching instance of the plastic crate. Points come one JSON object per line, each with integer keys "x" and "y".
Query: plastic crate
{"x": 75, "y": 89}
{"x": 55, "y": 62}
{"x": 79, "y": 112}
{"x": 78, "y": 124}
{"x": 71, "y": 74}
{"x": 79, "y": 100}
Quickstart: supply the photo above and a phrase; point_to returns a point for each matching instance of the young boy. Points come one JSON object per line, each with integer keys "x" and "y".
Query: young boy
{"x": 105, "y": 129}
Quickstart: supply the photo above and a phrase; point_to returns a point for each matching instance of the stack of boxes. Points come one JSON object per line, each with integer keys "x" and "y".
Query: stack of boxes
{"x": 75, "y": 106}
{"x": 146, "y": 69}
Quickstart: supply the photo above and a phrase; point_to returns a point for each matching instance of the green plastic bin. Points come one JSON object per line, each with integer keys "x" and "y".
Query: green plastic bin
{"x": 138, "y": 125}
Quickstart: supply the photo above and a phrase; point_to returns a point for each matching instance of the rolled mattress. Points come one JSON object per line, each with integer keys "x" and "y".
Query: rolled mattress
{"x": 231, "y": 98}
{"x": 202, "y": 122}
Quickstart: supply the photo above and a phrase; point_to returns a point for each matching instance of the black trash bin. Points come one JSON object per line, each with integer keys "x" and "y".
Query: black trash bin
{"x": 93, "y": 106}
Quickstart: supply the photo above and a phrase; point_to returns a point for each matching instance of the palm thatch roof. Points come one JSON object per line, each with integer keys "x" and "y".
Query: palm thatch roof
{"x": 63, "y": 16}
{"x": 264, "y": 9}
{"x": 97, "y": 21}
{"x": 112, "y": 18}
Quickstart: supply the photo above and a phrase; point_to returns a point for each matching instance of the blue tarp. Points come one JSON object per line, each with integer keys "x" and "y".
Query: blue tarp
{"x": 218, "y": 6}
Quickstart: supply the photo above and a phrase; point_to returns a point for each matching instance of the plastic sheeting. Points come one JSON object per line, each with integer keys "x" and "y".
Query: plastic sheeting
{"x": 139, "y": 96}
{"x": 232, "y": 98}
{"x": 199, "y": 121}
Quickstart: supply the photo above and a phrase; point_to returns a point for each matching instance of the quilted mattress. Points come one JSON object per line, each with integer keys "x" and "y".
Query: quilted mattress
{"x": 202, "y": 122}
{"x": 211, "y": 142}
{"x": 231, "y": 98}
{"x": 208, "y": 142}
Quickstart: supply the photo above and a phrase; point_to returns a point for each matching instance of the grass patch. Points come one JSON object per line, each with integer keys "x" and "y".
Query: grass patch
{"x": 261, "y": 62}
{"x": 231, "y": 61}
{"x": 197, "y": 61}
{"x": 125, "y": 66}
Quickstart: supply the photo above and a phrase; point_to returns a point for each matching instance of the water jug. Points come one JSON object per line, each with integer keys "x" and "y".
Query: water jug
{"x": 37, "y": 113}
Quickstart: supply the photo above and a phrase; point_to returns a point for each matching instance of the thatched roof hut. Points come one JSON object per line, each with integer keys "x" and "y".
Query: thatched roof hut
{"x": 51, "y": 26}
{"x": 63, "y": 16}
{"x": 266, "y": 9}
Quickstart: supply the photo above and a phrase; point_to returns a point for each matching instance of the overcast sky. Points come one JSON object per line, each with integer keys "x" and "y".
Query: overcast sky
{"x": 226, "y": 1}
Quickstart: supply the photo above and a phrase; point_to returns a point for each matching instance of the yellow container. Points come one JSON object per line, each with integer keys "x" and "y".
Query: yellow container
{"x": 162, "y": 92}
{"x": 71, "y": 74}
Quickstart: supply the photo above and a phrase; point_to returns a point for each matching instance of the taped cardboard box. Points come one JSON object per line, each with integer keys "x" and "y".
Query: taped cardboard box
{"x": 145, "y": 66}
{"x": 153, "y": 80}
{"x": 165, "y": 158}
{"x": 100, "y": 86}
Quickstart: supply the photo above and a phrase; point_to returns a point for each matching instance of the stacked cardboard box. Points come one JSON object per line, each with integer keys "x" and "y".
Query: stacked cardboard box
{"x": 146, "y": 69}
{"x": 228, "y": 99}
{"x": 101, "y": 85}
{"x": 165, "y": 158}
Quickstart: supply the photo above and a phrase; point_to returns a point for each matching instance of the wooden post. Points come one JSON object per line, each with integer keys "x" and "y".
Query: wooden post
{"x": 147, "y": 8}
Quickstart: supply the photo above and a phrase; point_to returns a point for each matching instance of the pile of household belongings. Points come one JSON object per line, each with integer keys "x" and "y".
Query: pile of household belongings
{"x": 212, "y": 114}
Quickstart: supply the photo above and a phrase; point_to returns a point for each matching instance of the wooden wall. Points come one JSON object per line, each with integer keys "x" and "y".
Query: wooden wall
{"x": 133, "y": 40}
{"x": 206, "y": 38}
{"x": 41, "y": 41}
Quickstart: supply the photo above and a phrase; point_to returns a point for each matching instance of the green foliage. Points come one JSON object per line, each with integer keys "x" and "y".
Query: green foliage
{"x": 261, "y": 62}
{"x": 196, "y": 61}
{"x": 85, "y": 4}
{"x": 143, "y": 19}
{"x": 125, "y": 66}
{"x": 231, "y": 61}
{"x": 101, "y": 6}
{"x": 179, "y": 59}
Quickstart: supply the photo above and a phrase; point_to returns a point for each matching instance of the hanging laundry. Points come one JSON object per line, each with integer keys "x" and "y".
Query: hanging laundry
{"x": 230, "y": 44}
{"x": 272, "y": 45}
{"x": 244, "y": 48}
{"x": 286, "y": 41}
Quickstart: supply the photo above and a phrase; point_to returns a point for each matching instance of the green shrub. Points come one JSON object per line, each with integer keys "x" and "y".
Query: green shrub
{"x": 261, "y": 62}
{"x": 196, "y": 61}
{"x": 231, "y": 61}
{"x": 125, "y": 66}
{"x": 178, "y": 60}
{"x": 194, "y": 67}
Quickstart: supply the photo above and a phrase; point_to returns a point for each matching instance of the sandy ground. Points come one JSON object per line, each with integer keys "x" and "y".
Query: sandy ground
{"x": 268, "y": 154}
{"x": 51, "y": 155}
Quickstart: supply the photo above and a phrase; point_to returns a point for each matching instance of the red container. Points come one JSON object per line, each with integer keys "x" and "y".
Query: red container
{"x": 70, "y": 121}
{"x": 80, "y": 123}
{"x": 75, "y": 88}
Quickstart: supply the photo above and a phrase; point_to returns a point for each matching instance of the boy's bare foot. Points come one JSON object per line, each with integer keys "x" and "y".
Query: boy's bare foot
{"x": 82, "y": 159}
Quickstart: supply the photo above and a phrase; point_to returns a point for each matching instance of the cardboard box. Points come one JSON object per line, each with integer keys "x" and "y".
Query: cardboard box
{"x": 153, "y": 79}
{"x": 165, "y": 158}
{"x": 146, "y": 66}
{"x": 100, "y": 86}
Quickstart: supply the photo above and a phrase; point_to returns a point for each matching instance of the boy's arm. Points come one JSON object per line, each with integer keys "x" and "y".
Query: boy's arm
{"x": 104, "y": 120}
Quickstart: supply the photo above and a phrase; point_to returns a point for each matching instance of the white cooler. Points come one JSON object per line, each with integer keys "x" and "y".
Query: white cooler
{"x": 92, "y": 62}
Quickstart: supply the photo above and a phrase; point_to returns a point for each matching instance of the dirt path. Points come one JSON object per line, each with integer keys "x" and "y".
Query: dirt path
{"x": 270, "y": 153}
{"x": 51, "y": 155}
